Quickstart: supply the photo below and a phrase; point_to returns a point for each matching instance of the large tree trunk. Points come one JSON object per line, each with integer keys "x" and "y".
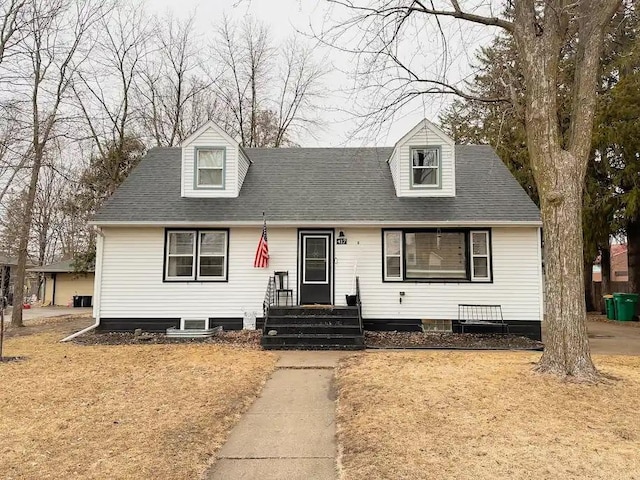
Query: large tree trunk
{"x": 559, "y": 163}
{"x": 566, "y": 350}
{"x": 633, "y": 253}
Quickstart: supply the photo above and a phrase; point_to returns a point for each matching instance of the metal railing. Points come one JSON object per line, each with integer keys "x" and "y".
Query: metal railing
{"x": 269, "y": 300}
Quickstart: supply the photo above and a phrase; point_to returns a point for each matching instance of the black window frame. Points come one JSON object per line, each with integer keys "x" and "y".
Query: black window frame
{"x": 468, "y": 256}
{"x": 196, "y": 277}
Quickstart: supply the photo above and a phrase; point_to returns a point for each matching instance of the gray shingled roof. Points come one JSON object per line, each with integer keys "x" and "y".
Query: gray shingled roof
{"x": 321, "y": 184}
{"x": 65, "y": 266}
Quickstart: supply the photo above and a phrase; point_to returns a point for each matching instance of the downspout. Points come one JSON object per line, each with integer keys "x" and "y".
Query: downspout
{"x": 97, "y": 287}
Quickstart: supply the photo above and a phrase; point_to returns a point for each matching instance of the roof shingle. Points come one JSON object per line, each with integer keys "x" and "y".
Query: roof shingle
{"x": 321, "y": 184}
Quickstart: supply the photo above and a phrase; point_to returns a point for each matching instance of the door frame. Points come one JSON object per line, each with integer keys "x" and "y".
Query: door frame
{"x": 330, "y": 232}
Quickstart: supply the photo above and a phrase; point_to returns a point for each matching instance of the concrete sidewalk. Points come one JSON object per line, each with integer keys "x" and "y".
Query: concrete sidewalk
{"x": 289, "y": 432}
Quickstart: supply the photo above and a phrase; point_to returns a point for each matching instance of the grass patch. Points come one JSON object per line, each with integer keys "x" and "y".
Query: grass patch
{"x": 144, "y": 412}
{"x": 471, "y": 415}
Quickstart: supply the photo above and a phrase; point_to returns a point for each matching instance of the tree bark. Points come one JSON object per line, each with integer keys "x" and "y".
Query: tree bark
{"x": 633, "y": 254}
{"x": 559, "y": 166}
{"x": 566, "y": 350}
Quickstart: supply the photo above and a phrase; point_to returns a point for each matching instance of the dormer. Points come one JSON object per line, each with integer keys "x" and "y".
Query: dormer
{"x": 213, "y": 164}
{"x": 423, "y": 163}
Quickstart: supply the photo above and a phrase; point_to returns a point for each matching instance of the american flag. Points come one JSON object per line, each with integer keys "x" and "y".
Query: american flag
{"x": 262, "y": 253}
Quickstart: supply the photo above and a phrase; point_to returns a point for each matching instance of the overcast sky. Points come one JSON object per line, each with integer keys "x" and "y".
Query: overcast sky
{"x": 286, "y": 17}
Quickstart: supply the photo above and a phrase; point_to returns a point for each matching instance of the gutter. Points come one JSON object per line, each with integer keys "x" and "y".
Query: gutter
{"x": 323, "y": 223}
{"x": 97, "y": 289}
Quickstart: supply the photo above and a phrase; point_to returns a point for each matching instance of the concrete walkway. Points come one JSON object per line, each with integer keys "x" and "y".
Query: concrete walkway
{"x": 289, "y": 431}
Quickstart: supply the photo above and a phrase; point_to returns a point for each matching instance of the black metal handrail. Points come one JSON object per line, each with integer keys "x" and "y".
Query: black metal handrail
{"x": 359, "y": 304}
{"x": 269, "y": 299}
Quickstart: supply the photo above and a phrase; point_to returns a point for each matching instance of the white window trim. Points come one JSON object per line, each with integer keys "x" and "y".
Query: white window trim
{"x": 436, "y": 168}
{"x": 473, "y": 256}
{"x": 385, "y": 255}
{"x": 198, "y": 168}
{"x": 169, "y": 255}
{"x": 224, "y": 256}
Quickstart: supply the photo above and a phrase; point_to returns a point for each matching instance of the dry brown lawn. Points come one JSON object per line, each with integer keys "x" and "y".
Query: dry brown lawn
{"x": 120, "y": 412}
{"x": 472, "y": 415}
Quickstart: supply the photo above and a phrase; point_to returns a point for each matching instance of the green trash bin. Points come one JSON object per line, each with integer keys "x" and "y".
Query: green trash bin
{"x": 625, "y": 305}
{"x": 609, "y": 307}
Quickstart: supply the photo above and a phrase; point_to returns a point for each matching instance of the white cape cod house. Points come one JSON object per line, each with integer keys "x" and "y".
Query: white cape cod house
{"x": 425, "y": 226}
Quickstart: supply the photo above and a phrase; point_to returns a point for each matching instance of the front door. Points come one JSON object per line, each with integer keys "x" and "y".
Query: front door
{"x": 315, "y": 254}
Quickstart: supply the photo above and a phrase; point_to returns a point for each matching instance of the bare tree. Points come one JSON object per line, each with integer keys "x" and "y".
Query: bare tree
{"x": 52, "y": 50}
{"x": 174, "y": 84}
{"x": 105, "y": 90}
{"x": 12, "y": 17}
{"x": 543, "y": 32}
{"x": 300, "y": 85}
{"x": 11, "y": 21}
{"x": 247, "y": 57}
{"x": 270, "y": 90}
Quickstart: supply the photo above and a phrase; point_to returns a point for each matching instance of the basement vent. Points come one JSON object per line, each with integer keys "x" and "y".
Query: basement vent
{"x": 436, "y": 325}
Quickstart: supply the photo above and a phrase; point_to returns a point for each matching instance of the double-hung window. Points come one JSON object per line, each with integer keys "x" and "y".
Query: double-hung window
{"x": 392, "y": 255}
{"x": 436, "y": 255}
{"x": 196, "y": 255}
{"x": 480, "y": 258}
{"x": 210, "y": 167}
{"x": 212, "y": 257}
{"x": 425, "y": 167}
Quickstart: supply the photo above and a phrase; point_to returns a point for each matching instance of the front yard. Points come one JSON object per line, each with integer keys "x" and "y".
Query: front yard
{"x": 131, "y": 411}
{"x": 484, "y": 415}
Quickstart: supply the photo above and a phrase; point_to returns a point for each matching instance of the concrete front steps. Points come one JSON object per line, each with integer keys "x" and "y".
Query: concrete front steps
{"x": 313, "y": 328}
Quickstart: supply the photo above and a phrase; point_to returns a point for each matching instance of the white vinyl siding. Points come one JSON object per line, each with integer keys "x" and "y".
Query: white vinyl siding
{"x": 132, "y": 278}
{"x": 394, "y": 167}
{"x": 133, "y": 282}
{"x": 210, "y": 138}
{"x": 243, "y": 168}
{"x": 516, "y": 279}
{"x": 425, "y": 137}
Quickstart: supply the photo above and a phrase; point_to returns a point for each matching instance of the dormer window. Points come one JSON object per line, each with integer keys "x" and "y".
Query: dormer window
{"x": 425, "y": 167}
{"x": 210, "y": 167}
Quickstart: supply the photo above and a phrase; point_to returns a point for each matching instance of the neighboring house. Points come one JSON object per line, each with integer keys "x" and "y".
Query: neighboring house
{"x": 619, "y": 265}
{"x": 8, "y": 266}
{"x": 62, "y": 283}
{"x": 425, "y": 225}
